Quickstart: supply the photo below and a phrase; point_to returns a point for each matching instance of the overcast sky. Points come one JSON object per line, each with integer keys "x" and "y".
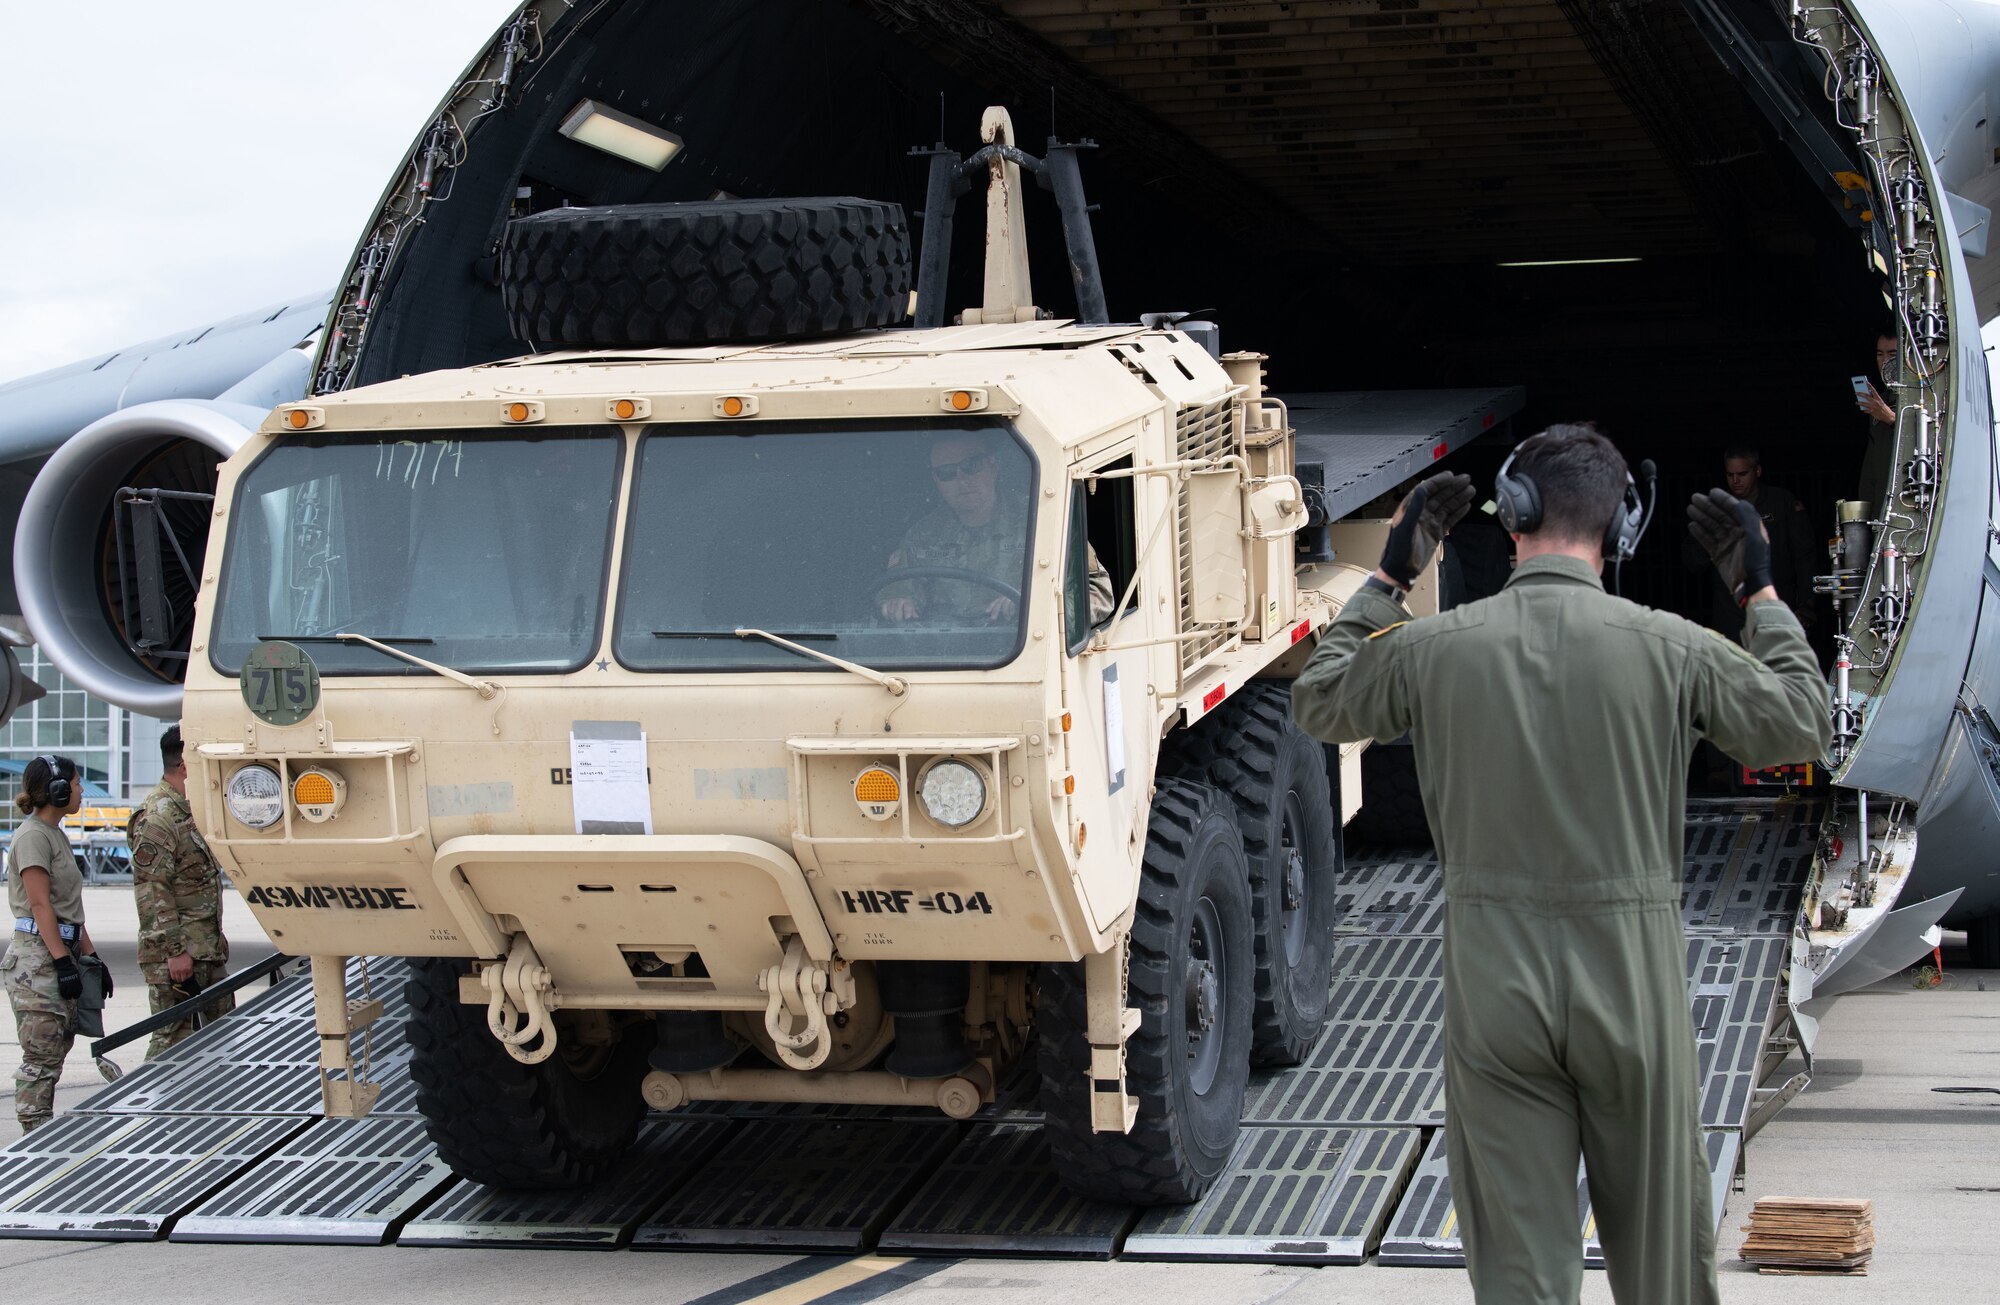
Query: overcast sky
{"x": 168, "y": 165}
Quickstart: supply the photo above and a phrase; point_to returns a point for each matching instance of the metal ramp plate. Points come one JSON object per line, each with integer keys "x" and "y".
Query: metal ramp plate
{"x": 125, "y": 1177}
{"x": 600, "y": 1216}
{"x": 1380, "y": 1062}
{"x": 1734, "y": 986}
{"x": 1371, "y": 440}
{"x": 824, "y": 1186}
{"x": 341, "y": 1181}
{"x": 1403, "y": 896}
{"x": 997, "y": 1194}
{"x": 264, "y": 1058}
{"x": 1291, "y": 1196}
{"x": 1745, "y": 865}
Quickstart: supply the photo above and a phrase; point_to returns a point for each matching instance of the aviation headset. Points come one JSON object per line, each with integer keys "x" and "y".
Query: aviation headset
{"x": 56, "y": 792}
{"x": 1517, "y": 501}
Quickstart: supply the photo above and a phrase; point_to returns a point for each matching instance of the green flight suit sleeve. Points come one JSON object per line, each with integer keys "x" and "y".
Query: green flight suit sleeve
{"x": 1355, "y": 686}
{"x": 1766, "y": 706}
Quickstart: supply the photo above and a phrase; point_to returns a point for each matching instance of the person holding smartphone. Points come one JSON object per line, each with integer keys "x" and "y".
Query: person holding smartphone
{"x": 1879, "y": 460}
{"x": 40, "y": 972}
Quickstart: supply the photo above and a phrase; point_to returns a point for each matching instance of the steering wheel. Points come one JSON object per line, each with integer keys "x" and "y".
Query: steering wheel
{"x": 980, "y": 578}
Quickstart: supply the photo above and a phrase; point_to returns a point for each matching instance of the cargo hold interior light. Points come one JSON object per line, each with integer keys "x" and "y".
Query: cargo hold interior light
{"x": 605, "y": 128}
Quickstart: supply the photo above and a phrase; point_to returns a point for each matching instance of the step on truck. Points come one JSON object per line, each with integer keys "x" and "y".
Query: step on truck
{"x": 812, "y": 708}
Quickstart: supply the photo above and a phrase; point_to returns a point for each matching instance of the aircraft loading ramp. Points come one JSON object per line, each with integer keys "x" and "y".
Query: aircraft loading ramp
{"x": 1341, "y": 1159}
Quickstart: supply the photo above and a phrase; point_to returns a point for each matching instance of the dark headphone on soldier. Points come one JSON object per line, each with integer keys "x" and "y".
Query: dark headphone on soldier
{"x": 56, "y": 791}
{"x": 1517, "y": 501}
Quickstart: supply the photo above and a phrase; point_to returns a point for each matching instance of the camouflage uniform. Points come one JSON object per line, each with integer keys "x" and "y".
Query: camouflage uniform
{"x": 47, "y": 1022}
{"x": 998, "y": 549}
{"x": 179, "y": 889}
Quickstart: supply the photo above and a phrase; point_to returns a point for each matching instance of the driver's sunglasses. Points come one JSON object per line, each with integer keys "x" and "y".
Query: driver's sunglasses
{"x": 946, "y": 472}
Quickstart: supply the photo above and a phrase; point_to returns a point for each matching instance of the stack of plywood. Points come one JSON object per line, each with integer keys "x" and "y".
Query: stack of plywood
{"x": 1795, "y": 1234}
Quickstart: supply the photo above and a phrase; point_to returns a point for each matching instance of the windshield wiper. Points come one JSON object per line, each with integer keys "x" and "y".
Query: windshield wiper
{"x": 817, "y": 636}
{"x": 895, "y": 684}
{"x": 484, "y": 688}
{"x": 340, "y": 638}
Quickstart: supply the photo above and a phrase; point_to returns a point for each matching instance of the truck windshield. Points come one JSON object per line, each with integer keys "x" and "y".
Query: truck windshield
{"x": 895, "y": 547}
{"x": 483, "y": 551}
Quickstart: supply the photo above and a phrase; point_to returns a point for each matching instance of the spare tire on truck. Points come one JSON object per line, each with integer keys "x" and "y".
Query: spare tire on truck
{"x": 644, "y": 275}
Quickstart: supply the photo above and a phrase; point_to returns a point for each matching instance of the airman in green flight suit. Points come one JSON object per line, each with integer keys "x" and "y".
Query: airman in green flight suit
{"x": 1553, "y": 725}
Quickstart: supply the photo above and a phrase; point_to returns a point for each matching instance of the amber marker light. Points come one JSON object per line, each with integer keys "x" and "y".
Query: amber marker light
{"x": 626, "y": 410}
{"x": 318, "y": 794}
{"x": 877, "y": 792}
{"x": 521, "y": 410}
{"x": 1065, "y": 722}
{"x": 304, "y": 418}
{"x": 732, "y": 407}
{"x": 963, "y": 400}
{"x": 1069, "y": 785}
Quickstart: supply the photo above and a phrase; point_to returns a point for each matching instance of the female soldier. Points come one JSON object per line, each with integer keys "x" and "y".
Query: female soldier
{"x": 45, "y": 894}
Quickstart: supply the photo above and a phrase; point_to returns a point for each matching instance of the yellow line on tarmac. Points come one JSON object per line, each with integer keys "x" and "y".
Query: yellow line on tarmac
{"x": 828, "y": 1281}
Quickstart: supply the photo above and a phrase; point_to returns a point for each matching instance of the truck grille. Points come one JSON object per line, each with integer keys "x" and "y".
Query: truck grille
{"x": 1201, "y": 431}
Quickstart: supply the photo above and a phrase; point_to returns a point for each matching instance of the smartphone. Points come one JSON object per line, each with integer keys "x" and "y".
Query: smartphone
{"x": 1861, "y": 387}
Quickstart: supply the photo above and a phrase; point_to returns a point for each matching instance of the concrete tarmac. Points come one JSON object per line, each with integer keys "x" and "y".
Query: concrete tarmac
{"x": 1873, "y": 1124}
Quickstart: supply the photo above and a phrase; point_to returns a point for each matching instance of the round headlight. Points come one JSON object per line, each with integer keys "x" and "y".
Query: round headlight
{"x": 255, "y": 796}
{"x": 953, "y": 793}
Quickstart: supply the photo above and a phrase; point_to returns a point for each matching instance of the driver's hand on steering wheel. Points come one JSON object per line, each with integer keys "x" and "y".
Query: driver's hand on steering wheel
{"x": 1000, "y": 609}
{"x": 901, "y": 609}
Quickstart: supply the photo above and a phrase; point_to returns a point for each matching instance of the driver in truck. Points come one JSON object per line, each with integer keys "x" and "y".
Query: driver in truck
{"x": 969, "y": 534}
{"x": 1566, "y": 1025}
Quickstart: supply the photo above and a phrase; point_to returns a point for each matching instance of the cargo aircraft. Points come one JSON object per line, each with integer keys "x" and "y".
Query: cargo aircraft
{"x": 1703, "y": 223}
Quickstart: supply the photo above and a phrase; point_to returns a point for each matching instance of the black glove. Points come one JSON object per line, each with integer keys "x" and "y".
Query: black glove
{"x": 1426, "y": 517}
{"x": 1733, "y": 534}
{"x": 107, "y": 977}
{"x": 69, "y": 979}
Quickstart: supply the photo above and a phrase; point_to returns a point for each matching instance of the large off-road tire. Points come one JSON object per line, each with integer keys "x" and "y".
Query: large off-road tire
{"x": 1982, "y": 942}
{"x": 724, "y": 270}
{"x": 1189, "y": 1060}
{"x": 1275, "y": 774}
{"x": 505, "y": 1124}
{"x": 1392, "y": 804}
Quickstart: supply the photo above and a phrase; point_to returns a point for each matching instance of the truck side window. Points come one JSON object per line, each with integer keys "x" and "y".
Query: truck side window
{"x": 1076, "y": 570}
{"x": 1100, "y": 523}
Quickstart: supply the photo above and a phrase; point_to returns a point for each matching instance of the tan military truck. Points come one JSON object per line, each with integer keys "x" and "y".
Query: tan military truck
{"x": 735, "y": 723}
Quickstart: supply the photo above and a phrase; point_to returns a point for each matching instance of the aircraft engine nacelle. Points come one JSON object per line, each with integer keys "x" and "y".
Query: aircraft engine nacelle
{"x": 111, "y": 541}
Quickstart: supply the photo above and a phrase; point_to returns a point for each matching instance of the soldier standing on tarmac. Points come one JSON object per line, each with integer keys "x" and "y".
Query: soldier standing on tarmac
{"x": 45, "y": 897}
{"x": 1552, "y": 726}
{"x": 179, "y": 888}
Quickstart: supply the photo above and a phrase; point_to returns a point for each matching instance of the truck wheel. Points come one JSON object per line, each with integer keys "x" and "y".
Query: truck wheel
{"x": 505, "y": 1124}
{"x": 1276, "y": 776}
{"x": 1189, "y": 1060}
{"x": 1392, "y": 804}
{"x": 703, "y": 273}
